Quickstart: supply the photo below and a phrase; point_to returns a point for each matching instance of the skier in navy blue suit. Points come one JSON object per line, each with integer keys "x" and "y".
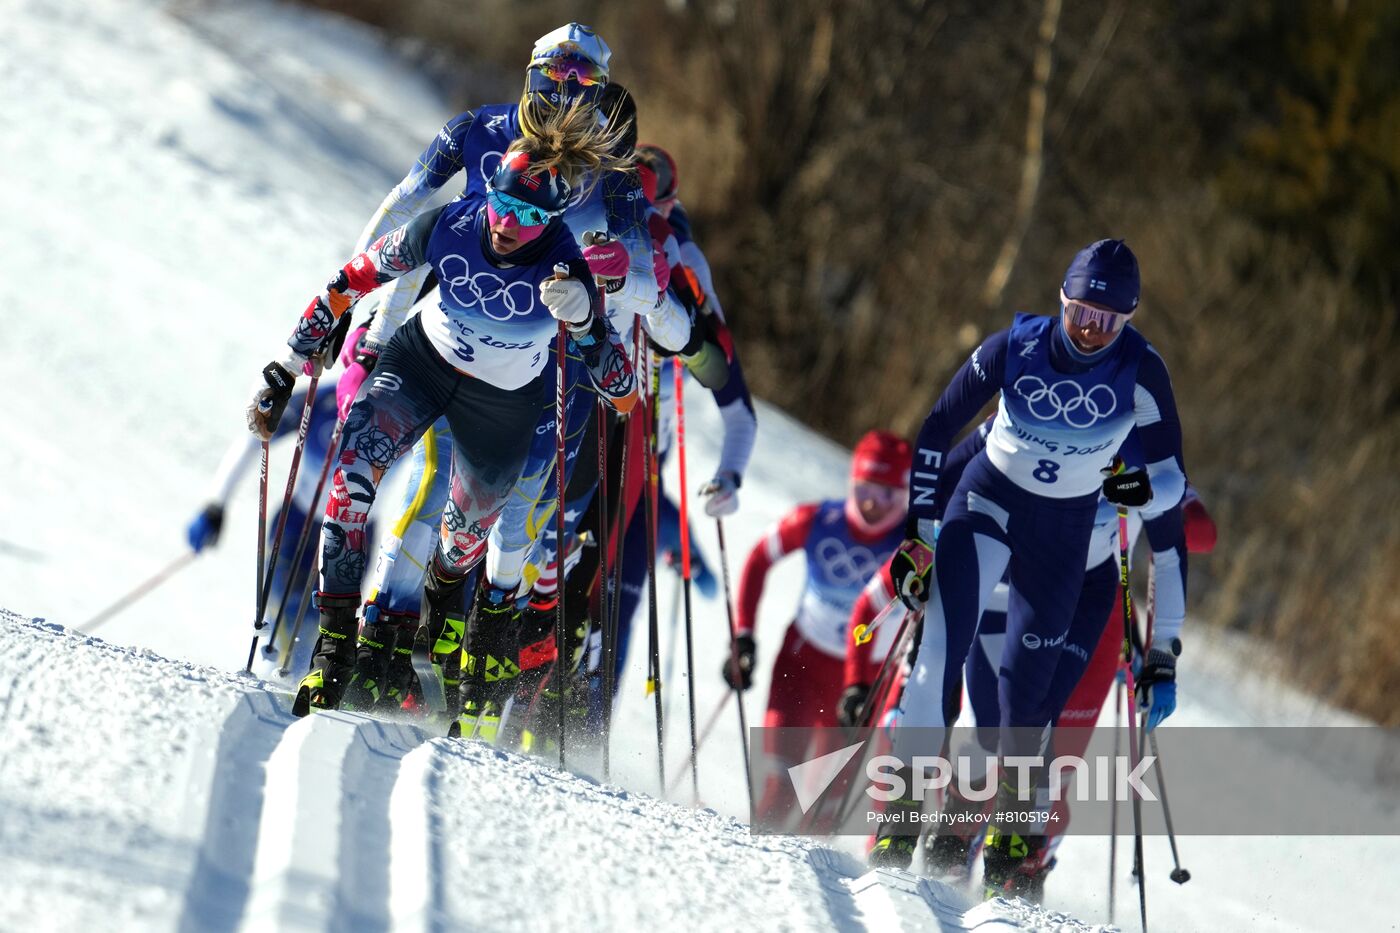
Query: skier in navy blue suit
{"x": 1071, "y": 389}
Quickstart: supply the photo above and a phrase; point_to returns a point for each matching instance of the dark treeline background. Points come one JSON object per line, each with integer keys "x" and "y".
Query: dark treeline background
{"x": 878, "y": 185}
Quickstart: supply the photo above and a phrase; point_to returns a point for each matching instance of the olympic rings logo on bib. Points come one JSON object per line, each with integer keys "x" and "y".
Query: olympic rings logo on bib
{"x": 516, "y": 299}
{"x": 1067, "y": 400}
{"x": 846, "y": 566}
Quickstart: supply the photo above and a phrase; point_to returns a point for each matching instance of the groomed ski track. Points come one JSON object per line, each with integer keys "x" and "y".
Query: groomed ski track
{"x": 193, "y": 800}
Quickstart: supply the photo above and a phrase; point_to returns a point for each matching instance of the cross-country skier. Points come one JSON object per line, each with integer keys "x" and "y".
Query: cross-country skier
{"x": 845, "y": 542}
{"x": 568, "y": 65}
{"x": 478, "y": 359}
{"x": 687, "y": 271}
{"x": 1085, "y": 668}
{"x": 1085, "y": 672}
{"x": 1071, "y": 388}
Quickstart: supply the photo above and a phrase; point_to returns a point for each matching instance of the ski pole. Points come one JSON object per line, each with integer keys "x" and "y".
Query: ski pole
{"x": 704, "y": 734}
{"x": 614, "y": 585}
{"x": 862, "y": 633}
{"x": 679, "y": 382}
{"x": 262, "y": 555}
{"x": 604, "y": 564}
{"x": 734, "y": 658}
{"x": 1179, "y": 874}
{"x": 304, "y": 538}
{"x": 560, "y": 412}
{"x": 1113, "y": 814}
{"x": 156, "y": 580}
{"x": 266, "y": 589}
{"x": 1131, "y": 699}
{"x": 654, "y": 685}
{"x": 671, "y": 639}
{"x": 879, "y": 695}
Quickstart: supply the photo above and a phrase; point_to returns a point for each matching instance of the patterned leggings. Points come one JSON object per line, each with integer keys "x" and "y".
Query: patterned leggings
{"x": 411, "y": 387}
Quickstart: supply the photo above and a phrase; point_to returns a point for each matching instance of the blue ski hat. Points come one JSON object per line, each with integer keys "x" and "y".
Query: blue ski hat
{"x": 1104, "y": 273}
{"x": 544, "y": 189}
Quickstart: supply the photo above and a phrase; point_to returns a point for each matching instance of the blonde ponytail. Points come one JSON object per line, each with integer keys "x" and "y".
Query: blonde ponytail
{"x": 571, "y": 141}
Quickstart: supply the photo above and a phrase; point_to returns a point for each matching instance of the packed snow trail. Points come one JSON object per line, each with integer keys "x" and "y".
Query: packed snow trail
{"x": 164, "y": 795}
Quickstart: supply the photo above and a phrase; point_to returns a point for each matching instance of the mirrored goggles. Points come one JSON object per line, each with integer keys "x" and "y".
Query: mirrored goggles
{"x": 1081, "y": 315}
{"x": 877, "y": 492}
{"x": 582, "y": 70}
{"x": 525, "y": 213}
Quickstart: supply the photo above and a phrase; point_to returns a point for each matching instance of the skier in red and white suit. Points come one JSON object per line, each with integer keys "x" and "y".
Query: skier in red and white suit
{"x": 845, "y": 542}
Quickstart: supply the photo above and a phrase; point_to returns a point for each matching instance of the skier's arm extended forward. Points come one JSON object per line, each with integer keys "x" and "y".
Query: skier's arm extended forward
{"x": 389, "y": 257}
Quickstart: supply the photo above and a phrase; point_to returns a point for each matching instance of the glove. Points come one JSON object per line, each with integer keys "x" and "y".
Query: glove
{"x": 353, "y": 345}
{"x": 204, "y": 530}
{"x": 1156, "y": 683}
{"x": 607, "y": 259}
{"x": 567, "y": 299}
{"x": 356, "y": 372}
{"x": 911, "y": 568}
{"x": 1131, "y": 488}
{"x": 851, "y": 705}
{"x": 743, "y": 651}
{"x": 270, "y": 400}
{"x": 721, "y": 494}
{"x": 660, "y": 266}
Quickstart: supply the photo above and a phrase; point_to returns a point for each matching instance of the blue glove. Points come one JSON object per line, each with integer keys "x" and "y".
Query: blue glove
{"x": 1156, "y": 684}
{"x": 204, "y": 530}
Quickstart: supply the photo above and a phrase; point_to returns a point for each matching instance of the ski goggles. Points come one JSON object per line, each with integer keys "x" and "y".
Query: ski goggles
{"x": 1082, "y": 314}
{"x": 525, "y": 213}
{"x": 879, "y": 493}
{"x": 569, "y": 68}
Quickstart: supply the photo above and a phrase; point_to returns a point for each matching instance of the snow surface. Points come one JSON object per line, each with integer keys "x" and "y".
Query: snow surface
{"x": 178, "y": 180}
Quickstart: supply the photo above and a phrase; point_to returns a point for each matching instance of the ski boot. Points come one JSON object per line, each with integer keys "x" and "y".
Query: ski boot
{"x": 898, "y": 836}
{"x": 333, "y": 660}
{"x": 948, "y": 849}
{"x": 401, "y": 690}
{"x": 490, "y": 664}
{"x": 1014, "y": 862}
{"x": 436, "y": 653}
{"x": 373, "y": 653}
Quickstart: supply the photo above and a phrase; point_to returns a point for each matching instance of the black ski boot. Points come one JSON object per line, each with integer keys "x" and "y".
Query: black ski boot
{"x": 1014, "y": 862}
{"x": 490, "y": 664}
{"x": 948, "y": 849}
{"x": 372, "y": 656}
{"x": 437, "y": 644}
{"x": 334, "y": 657}
{"x": 401, "y": 692}
{"x": 898, "y": 836}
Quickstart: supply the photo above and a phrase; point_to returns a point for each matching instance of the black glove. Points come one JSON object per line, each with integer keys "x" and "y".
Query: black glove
{"x": 742, "y": 656}
{"x": 1131, "y": 488}
{"x": 270, "y": 400}
{"x": 911, "y": 570}
{"x": 851, "y": 706}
